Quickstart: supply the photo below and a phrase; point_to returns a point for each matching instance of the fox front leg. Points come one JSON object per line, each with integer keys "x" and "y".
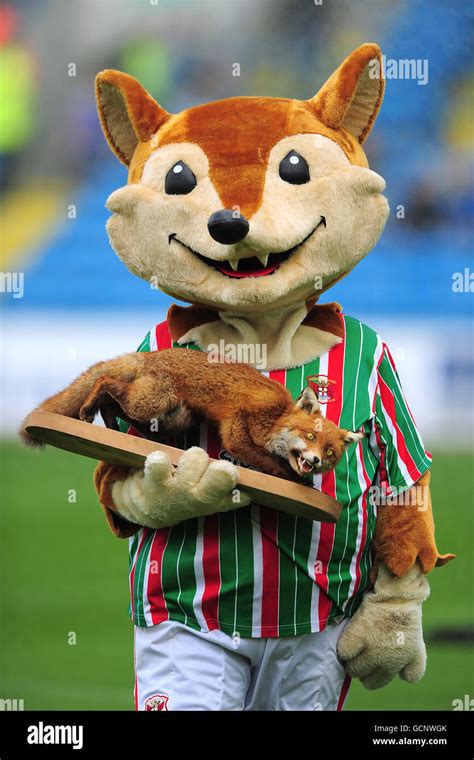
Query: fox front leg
{"x": 238, "y": 440}
{"x": 110, "y": 411}
{"x": 100, "y": 397}
{"x": 141, "y": 400}
{"x": 256, "y": 457}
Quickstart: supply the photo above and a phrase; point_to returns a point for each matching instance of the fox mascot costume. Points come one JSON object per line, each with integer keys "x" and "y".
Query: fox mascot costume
{"x": 250, "y": 209}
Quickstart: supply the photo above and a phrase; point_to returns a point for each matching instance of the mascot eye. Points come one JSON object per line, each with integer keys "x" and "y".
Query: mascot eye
{"x": 329, "y": 452}
{"x": 180, "y": 180}
{"x": 310, "y": 436}
{"x": 294, "y": 169}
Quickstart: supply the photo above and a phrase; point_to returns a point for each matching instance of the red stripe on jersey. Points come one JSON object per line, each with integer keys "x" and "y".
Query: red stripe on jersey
{"x": 388, "y": 400}
{"x": 270, "y": 554}
{"x": 344, "y": 690}
{"x": 211, "y": 571}
{"x": 271, "y": 571}
{"x": 389, "y": 355}
{"x": 154, "y": 587}
{"x": 132, "y": 574}
{"x": 326, "y": 539}
{"x": 374, "y": 400}
{"x": 135, "y": 688}
{"x": 328, "y": 486}
{"x": 279, "y": 375}
{"x": 383, "y": 474}
{"x": 390, "y": 358}
{"x": 163, "y": 336}
{"x": 210, "y": 555}
{"x": 364, "y": 520}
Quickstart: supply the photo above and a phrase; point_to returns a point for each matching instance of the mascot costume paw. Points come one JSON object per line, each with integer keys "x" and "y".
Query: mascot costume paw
{"x": 249, "y": 209}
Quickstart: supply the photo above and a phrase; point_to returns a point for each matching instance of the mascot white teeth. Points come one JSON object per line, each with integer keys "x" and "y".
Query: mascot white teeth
{"x": 250, "y": 209}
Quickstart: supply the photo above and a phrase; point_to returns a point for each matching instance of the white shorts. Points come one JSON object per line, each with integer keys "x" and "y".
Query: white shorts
{"x": 178, "y": 668}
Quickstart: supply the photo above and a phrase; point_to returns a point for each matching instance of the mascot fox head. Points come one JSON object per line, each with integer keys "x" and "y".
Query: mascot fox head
{"x": 246, "y": 202}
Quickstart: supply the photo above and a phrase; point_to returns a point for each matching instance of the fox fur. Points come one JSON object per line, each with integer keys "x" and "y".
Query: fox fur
{"x": 258, "y": 421}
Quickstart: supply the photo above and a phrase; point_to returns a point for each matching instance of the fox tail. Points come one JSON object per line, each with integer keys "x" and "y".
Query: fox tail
{"x": 69, "y": 401}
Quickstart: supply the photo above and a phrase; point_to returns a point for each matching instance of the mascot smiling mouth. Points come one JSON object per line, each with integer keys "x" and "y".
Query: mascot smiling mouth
{"x": 254, "y": 266}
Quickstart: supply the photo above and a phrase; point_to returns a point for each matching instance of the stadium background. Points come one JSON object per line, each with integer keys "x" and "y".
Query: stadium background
{"x": 66, "y": 641}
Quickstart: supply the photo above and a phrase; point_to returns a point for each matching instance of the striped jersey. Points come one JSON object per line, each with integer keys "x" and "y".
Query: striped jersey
{"x": 256, "y": 572}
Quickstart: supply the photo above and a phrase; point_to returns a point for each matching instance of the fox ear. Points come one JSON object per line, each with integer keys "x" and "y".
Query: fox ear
{"x": 308, "y": 401}
{"x": 351, "y": 437}
{"x": 352, "y": 96}
{"x": 127, "y": 112}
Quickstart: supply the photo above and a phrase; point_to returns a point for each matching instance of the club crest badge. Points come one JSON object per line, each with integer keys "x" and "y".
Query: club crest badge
{"x": 157, "y": 703}
{"x": 324, "y": 388}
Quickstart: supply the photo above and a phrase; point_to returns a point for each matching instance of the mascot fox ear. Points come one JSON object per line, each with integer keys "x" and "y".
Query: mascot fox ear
{"x": 352, "y": 96}
{"x": 127, "y": 112}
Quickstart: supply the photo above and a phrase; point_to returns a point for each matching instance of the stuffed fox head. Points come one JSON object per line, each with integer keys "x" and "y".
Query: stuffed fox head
{"x": 249, "y": 201}
{"x": 307, "y": 440}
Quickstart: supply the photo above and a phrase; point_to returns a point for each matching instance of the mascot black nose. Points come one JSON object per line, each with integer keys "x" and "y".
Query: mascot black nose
{"x": 227, "y": 227}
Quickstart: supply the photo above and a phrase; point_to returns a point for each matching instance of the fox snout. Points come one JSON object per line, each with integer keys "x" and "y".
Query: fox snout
{"x": 307, "y": 462}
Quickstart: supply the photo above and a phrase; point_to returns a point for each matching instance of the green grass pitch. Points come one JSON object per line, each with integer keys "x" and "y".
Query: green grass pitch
{"x": 64, "y": 577}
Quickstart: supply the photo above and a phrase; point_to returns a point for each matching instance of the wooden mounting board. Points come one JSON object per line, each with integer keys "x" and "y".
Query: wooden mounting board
{"x": 130, "y": 451}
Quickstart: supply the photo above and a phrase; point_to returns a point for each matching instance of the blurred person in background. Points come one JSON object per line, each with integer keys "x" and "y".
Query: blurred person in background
{"x": 17, "y": 96}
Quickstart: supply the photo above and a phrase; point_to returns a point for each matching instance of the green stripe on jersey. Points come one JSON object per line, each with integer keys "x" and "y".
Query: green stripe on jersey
{"x": 237, "y": 571}
{"x": 146, "y": 342}
{"x": 186, "y": 577}
{"x": 171, "y": 573}
{"x": 139, "y": 578}
{"x": 404, "y": 420}
{"x": 347, "y": 486}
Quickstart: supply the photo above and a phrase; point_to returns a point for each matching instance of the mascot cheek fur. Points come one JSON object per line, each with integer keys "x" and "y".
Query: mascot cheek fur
{"x": 349, "y": 199}
{"x": 280, "y": 204}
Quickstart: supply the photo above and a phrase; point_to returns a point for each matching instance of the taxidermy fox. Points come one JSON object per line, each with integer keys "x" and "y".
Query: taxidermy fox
{"x": 167, "y": 391}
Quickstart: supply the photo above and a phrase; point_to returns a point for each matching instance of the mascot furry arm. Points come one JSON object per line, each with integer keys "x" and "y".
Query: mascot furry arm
{"x": 308, "y": 210}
